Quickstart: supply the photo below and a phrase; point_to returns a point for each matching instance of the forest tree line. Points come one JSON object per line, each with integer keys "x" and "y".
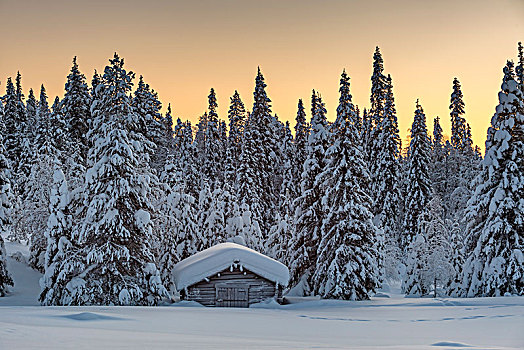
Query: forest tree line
{"x": 110, "y": 193}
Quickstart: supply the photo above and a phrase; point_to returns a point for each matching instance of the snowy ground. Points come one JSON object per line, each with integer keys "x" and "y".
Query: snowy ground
{"x": 394, "y": 323}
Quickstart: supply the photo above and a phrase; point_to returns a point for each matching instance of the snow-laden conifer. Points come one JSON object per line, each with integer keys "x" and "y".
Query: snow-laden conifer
{"x": 302, "y": 129}
{"x": 6, "y": 202}
{"x": 212, "y": 152}
{"x": 115, "y": 232}
{"x": 255, "y": 185}
{"x": 147, "y": 107}
{"x": 58, "y": 235}
{"x": 31, "y": 111}
{"x": 418, "y": 190}
{"x": 376, "y": 112}
{"x": 237, "y": 121}
{"x": 429, "y": 266}
{"x": 211, "y": 220}
{"x": 347, "y": 263}
{"x": 309, "y": 210}
{"x": 519, "y": 69}
{"x": 458, "y": 123}
{"x": 385, "y": 171}
{"x": 75, "y": 107}
{"x": 12, "y": 123}
{"x": 495, "y": 229}
{"x": 185, "y": 157}
{"x": 36, "y": 202}
{"x": 177, "y": 222}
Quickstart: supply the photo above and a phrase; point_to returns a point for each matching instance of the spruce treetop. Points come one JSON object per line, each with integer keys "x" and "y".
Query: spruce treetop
{"x": 213, "y": 105}
{"x": 520, "y": 67}
{"x": 19, "y": 92}
{"x": 301, "y": 128}
{"x": 458, "y": 123}
{"x": 345, "y": 106}
{"x": 261, "y": 101}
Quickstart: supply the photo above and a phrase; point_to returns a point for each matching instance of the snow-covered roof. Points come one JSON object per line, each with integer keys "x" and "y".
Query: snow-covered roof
{"x": 220, "y": 257}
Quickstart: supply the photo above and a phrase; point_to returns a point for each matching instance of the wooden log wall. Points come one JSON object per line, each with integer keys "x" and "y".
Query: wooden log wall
{"x": 259, "y": 288}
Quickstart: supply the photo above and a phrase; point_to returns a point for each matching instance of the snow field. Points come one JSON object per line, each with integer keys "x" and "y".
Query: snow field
{"x": 392, "y": 323}
{"x": 493, "y": 323}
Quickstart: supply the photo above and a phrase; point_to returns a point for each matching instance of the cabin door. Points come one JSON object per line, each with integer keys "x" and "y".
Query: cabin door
{"x": 232, "y": 296}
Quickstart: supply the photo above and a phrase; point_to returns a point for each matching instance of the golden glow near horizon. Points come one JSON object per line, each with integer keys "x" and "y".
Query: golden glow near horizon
{"x": 184, "y": 48}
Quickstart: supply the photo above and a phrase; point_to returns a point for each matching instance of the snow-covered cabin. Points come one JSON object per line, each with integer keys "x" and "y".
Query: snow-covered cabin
{"x": 230, "y": 275}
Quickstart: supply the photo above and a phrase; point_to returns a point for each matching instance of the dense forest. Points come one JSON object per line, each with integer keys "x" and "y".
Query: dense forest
{"x": 110, "y": 193}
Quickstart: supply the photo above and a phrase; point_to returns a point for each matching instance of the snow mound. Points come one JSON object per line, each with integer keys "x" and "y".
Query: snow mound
{"x": 222, "y": 256}
{"x": 266, "y": 304}
{"x": 381, "y": 295}
{"x": 451, "y": 344}
{"x": 90, "y": 316}
{"x": 186, "y": 303}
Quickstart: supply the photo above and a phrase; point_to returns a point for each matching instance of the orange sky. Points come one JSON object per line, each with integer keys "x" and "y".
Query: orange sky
{"x": 185, "y": 48}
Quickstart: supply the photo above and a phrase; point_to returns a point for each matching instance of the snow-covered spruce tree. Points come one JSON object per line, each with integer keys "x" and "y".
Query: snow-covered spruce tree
{"x": 520, "y": 67}
{"x": 347, "y": 263}
{"x": 28, "y": 151}
{"x": 413, "y": 282}
{"x": 376, "y": 111}
{"x": 6, "y": 198}
{"x": 237, "y": 121}
{"x": 5, "y": 277}
{"x": 418, "y": 191}
{"x": 302, "y": 129}
{"x": 309, "y": 209}
{"x": 437, "y": 269}
{"x": 39, "y": 181}
{"x": 255, "y": 173}
{"x": 222, "y": 147}
{"x": 365, "y": 131}
{"x": 386, "y": 173}
{"x": 177, "y": 225}
{"x": 167, "y": 124}
{"x": 212, "y": 155}
{"x": 458, "y": 123}
{"x": 147, "y": 107}
{"x": 43, "y": 137}
{"x": 31, "y": 109}
{"x": 280, "y": 140}
{"x": 211, "y": 219}
{"x": 31, "y": 210}
{"x": 461, "y": 162}
{"x": 378, "y": 89}
{"x": 75, "y": 107}
{"x": 23, "y": 142}
{"x": 57, "y": 234}
{"x": 495, "y": 230}
{"x": 96, "y": 81}
{"x": 58, "y": 130}
{"x": 114, "y": 234}
{"x": 282, "y": 230}
{"x": 34, "y": 209}
{"x": 456, "y": 242}
{"x": 186, "y": 156}
{"x": 12, "y": 128}
{"x": 438, "y": 169}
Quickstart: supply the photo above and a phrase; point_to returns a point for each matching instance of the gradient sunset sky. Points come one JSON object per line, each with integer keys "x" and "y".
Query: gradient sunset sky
{"x": 183, "y": 48}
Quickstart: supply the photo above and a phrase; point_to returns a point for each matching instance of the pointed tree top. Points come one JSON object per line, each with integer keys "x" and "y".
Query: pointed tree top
{"x": 508, "y": 69}
{"x": 213, "y": 105}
